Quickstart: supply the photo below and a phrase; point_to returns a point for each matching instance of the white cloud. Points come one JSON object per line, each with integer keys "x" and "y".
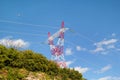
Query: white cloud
{"x": 79, "y": 48}
{"x": 106, "y": 42}
{"x": 105, "y": 52}
{"x": 110, "y": 47}
{"x": 109, "y": 78}
{"x": 18, "y": 43}
{"x": 81, "y": 70}
{"x": 104, "y": 45}
{"x": 104, "y": 69}
{"x": 68, "y": 51}
{"x": 68, "y": 63}
{"x": 98, "y": 49}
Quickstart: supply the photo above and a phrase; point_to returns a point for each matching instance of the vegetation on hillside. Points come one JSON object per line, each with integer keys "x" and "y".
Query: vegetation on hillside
{"x": 16, "y": 65}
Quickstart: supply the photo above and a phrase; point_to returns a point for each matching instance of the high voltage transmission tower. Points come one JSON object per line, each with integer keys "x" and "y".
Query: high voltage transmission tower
{"x": 57, "y": 50}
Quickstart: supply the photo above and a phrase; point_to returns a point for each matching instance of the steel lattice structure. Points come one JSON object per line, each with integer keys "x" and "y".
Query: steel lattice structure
{"x": 57, "y": 51}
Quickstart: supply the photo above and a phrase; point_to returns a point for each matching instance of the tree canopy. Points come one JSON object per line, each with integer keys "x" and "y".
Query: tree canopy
{"x": 31, "y": 61}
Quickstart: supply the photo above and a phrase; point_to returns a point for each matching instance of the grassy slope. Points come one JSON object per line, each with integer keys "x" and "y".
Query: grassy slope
{"x": 23, "y": 65}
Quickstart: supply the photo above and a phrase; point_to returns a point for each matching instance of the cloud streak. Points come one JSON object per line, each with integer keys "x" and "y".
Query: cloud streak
{"x": 104, "y": 69}
{"x": 113, "y": 34}
{"x": 109, "y": 78}
{"x": 106, "y": 42}
{"x": 103, "y": 46}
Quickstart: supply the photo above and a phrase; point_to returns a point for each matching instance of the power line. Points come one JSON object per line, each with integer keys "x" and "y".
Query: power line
{"x": 81, "y": 35}
{"x": 22, "y": 33}
{"x": 13, "y": 22}
{"x": 6, "y": 21}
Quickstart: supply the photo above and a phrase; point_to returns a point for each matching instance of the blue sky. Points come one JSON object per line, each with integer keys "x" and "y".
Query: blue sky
{"x": 91, "y": 43}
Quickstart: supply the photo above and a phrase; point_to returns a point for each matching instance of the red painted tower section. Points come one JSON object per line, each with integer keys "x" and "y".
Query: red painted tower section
{"x": 57, "y": 51}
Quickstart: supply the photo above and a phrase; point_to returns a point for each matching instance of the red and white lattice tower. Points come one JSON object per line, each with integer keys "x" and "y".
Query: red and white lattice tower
{"x": 57, "y": 50}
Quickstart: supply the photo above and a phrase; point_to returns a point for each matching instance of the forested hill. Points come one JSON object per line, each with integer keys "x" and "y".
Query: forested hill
{"x": 28, "y": 65}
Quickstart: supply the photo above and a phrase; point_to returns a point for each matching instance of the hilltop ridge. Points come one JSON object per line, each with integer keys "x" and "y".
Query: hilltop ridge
{"x": 28, "y": 65}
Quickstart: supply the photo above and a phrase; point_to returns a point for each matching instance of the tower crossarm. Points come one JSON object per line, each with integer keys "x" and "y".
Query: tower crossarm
{"x": 55, "y": 35}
